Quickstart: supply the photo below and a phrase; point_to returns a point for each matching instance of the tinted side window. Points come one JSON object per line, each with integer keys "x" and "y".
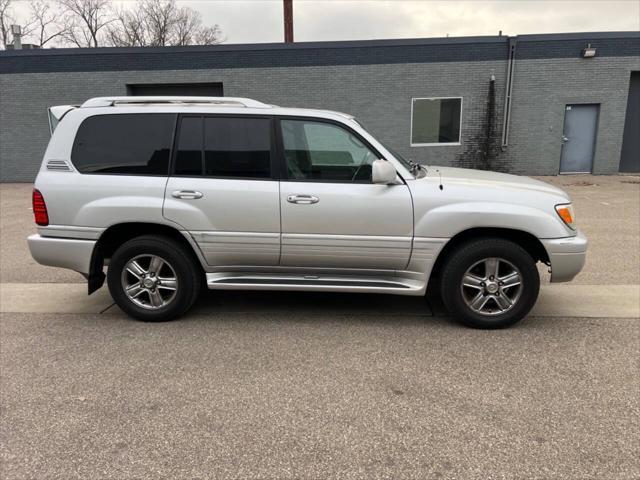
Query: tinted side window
{"x": 189, "y": 149}
{"x": 134, "y": 144}
{"x": 237, "y": 147}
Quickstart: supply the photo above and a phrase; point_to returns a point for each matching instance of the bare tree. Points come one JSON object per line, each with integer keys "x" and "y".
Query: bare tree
{"x": 189, "y": 30}
{"x": 6, "y": 20}
{"x": 160, "y": 18}
{"x": 128, "y": 29}
{"x": 160, "y": 23}
{"x": 48, "y": 23}
{"x": 93, "y": 23}
{"x": 186, "y": 26}
{"x": 209, "y": 35}
{"x": 86, "y": 19}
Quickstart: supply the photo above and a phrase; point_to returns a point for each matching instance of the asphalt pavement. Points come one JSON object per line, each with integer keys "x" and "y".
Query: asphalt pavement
{"x": 298, "y": 395}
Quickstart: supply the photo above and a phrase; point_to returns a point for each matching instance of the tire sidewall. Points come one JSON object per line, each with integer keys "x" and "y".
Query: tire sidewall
{"x": 470, "y": 253}
{"x": 170, "y": 252}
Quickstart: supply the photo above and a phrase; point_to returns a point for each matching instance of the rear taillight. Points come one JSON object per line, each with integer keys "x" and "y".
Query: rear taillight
{"x": 40, "y": 209}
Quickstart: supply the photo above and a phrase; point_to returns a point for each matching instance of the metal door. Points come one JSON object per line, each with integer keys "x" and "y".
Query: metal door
{"x": 234, "y": 221}
{"x": 333, "y": 217}
{"x": 346, "y": 225}
{"x": 579, "y": 138}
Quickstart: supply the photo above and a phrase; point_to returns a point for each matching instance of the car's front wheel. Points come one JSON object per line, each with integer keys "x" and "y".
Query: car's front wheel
{"x": 490, "y": 283}
{"x": 153, "y": 278}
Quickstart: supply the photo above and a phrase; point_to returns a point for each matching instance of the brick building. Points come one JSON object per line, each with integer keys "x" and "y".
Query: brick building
{"x": 532, "y": 104}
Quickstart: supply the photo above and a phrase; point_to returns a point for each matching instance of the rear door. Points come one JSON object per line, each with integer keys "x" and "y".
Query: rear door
{"x": 222, "y": 190}
{"x": 333, "y": 216}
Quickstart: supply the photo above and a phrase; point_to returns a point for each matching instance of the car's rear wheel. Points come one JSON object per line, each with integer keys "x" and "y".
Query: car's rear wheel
{"x": 490, "y": 283}
{"x": 153, "y": 278}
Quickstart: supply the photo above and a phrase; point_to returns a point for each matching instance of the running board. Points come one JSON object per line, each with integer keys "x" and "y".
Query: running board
{"x": 240, "y": 281}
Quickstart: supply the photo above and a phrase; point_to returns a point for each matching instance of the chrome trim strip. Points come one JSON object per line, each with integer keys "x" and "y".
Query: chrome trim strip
{"x": 250, "y": 281}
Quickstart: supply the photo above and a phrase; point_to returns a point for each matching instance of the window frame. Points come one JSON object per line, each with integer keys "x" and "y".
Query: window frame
{"x": 436, "y": 144}
{"x": 284, "y": 173}
{"x": 273, "y": 152}
{"x": 172, "y": 142}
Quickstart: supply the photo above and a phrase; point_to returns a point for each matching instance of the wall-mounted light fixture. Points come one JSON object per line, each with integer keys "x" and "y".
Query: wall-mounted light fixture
{"x": 589, "y": 52}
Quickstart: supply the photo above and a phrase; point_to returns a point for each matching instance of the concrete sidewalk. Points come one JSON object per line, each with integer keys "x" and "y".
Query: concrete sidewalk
{"x": 563, "y": 300}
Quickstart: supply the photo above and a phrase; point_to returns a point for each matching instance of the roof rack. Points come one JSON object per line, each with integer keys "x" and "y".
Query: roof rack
{"x": 222, "y": 101}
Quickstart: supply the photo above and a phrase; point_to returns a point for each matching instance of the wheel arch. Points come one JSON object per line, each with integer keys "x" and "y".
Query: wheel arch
{"x": 526, "y": 240}
{"x": 116, "y": 235}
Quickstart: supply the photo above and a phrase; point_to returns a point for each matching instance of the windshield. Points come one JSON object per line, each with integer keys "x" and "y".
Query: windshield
{"x": 405, "y": 163}
{"x": 417, "y": 170}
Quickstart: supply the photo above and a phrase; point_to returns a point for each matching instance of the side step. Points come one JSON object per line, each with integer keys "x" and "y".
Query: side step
{"x": 247, "y": 281}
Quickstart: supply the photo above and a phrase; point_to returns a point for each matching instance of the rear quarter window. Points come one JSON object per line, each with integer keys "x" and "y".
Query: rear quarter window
{"x": 125, "y": 144}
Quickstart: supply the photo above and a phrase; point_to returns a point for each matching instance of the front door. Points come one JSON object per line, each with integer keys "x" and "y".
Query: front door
{"x": 222, "y": 192}
{"x": 579, "y": 138}
{"x": 332, "y": 215}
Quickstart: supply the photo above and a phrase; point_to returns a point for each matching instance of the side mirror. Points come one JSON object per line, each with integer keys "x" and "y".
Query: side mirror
{"x": 383, "y": 172}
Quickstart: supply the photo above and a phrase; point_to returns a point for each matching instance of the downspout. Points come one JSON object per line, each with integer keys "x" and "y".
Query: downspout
{"x": 508, "y": 97}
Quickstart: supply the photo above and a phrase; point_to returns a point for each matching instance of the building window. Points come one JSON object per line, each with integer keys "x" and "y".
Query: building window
{"x": 435, "y": 121}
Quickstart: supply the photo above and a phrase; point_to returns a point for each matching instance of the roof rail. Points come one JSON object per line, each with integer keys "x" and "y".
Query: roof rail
{"x": 226, "y": 101}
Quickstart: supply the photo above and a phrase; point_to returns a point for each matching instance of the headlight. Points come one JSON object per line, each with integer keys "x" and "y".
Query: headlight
{"x": 565, "y": 211}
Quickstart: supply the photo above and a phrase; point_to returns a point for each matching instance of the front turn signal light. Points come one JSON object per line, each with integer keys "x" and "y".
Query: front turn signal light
{"x": 566, "y": 214}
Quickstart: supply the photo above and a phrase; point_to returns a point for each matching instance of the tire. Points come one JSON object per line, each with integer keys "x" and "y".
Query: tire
{"x": 476, "y": 296}
{"x": 165, "y": 295}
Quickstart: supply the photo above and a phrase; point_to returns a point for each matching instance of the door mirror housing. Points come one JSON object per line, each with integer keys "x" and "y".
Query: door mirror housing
{"x": 383, "y": 172}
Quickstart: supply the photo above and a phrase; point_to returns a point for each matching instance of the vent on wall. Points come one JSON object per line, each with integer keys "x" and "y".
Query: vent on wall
{"x": 58, "y": 165}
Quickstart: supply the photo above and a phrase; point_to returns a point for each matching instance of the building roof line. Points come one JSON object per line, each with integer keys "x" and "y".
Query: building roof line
{"x": 401, "y": 42}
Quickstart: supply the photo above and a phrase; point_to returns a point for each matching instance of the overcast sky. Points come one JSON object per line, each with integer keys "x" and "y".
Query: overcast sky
{"x": 248, "y": 21}
{"x": 261, "y": 20}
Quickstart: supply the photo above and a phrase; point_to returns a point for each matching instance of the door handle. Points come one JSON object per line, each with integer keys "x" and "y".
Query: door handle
{"x": 303, "y": 199}
{"x": 186, "y": 194}
{"x": 565, "y": 139}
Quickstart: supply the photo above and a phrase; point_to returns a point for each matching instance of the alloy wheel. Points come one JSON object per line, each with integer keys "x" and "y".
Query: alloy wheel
{"x": 149, "y": 281}
{"x": 491, "y": 286}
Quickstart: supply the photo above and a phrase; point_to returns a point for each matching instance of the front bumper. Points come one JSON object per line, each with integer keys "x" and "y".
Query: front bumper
{"x": 567, "y": 256}
{"x": 62, "y": 252}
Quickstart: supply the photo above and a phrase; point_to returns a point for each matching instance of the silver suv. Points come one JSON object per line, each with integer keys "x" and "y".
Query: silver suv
{"x": 175, "y": 193}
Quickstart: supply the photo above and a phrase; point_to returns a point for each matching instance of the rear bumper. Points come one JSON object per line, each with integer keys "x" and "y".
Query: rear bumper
{"x": 62, "y": 252}
{"x": 567, "y": 256}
